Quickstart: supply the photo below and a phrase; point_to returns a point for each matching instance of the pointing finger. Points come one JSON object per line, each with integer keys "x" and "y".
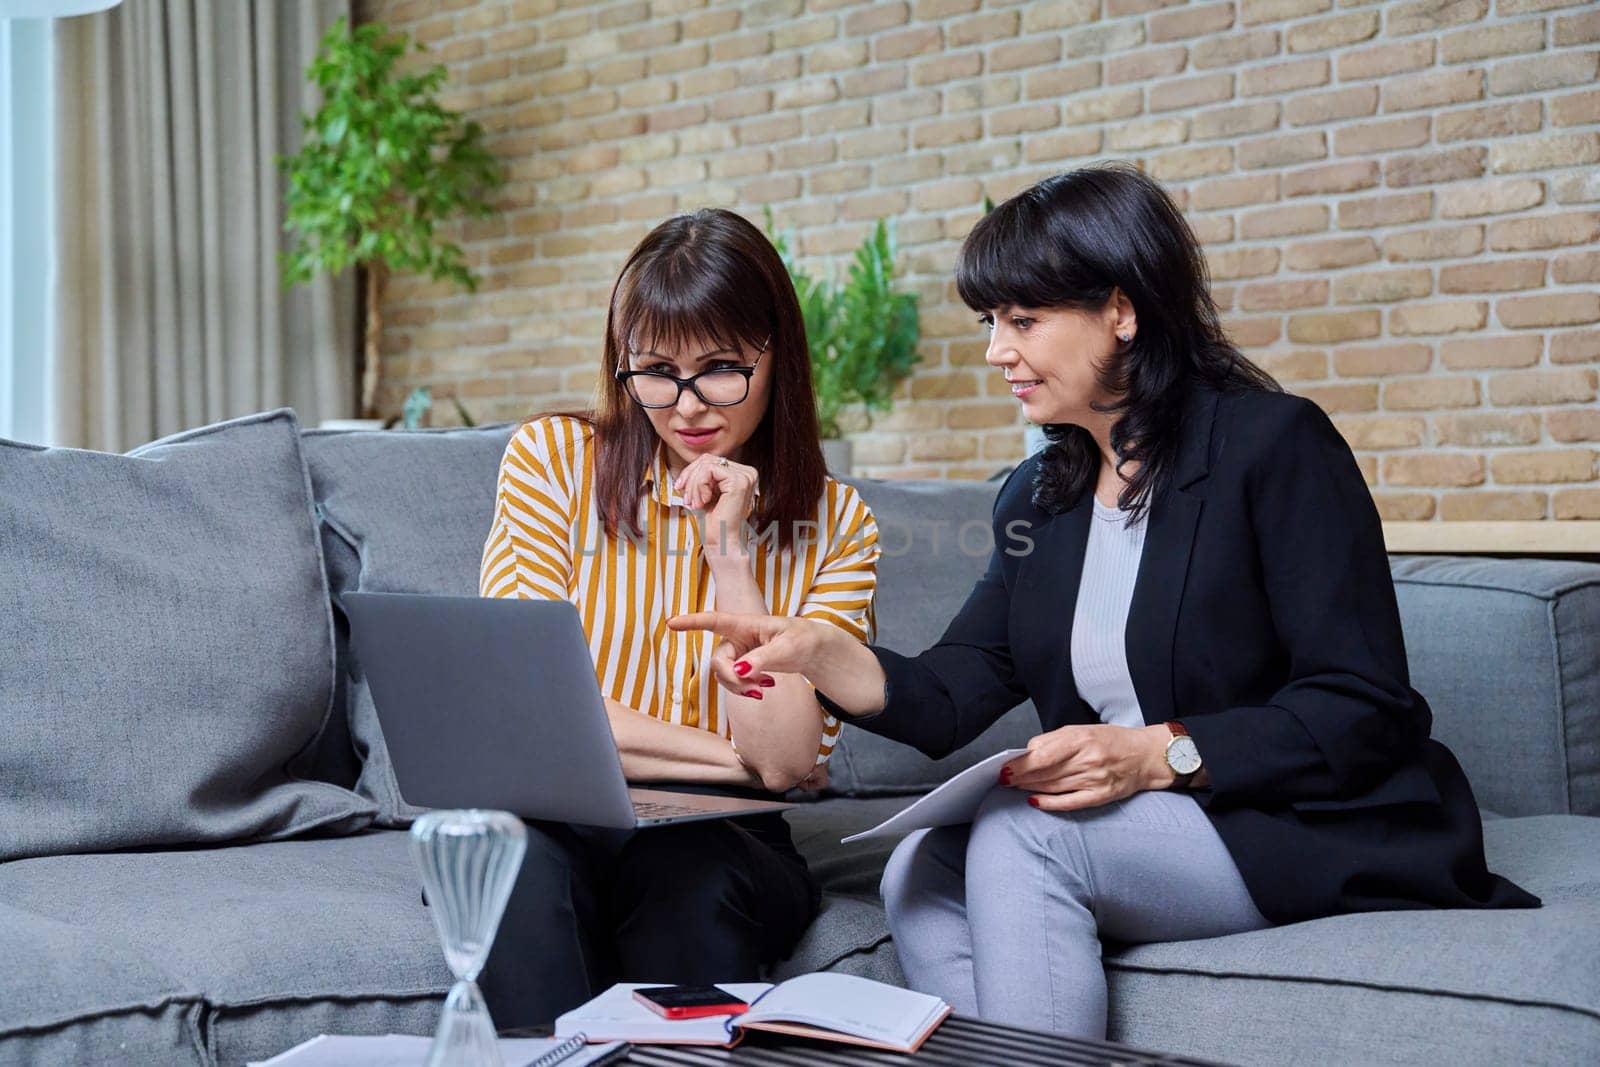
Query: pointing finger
{"x": 741, "y": 628}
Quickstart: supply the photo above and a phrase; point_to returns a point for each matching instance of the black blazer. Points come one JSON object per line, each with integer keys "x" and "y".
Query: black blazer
{"x": 1264, "y": 618}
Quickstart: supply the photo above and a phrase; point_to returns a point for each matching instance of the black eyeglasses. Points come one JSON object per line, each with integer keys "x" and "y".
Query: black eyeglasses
{"x": 721, "y": 387}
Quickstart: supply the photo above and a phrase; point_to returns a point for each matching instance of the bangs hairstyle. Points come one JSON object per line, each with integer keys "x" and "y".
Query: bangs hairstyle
{"x": 1067, "y": 243}
{"x": 699, "y": 282}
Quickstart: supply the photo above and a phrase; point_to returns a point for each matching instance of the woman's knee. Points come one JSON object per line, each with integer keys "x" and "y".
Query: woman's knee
{"x": 1006, "y": 819}
{"x": 899, "y": 873}
{"x": 546, "y": 846}
{"x": 920, "y": 863}
{"x": 711, "y": 900}
{"x": 543, "y": 889}
{"x": 672, "y": 865}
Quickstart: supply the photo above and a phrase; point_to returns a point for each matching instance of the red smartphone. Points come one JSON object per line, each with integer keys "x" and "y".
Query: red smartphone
{"x": 689, "y": 1001}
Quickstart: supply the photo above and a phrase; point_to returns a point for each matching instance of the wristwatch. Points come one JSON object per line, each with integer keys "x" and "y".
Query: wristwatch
{"x": 1182, "y": 755}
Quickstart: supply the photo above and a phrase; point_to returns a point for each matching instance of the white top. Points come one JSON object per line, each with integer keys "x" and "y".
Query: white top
{"x": 1100, "y": 621}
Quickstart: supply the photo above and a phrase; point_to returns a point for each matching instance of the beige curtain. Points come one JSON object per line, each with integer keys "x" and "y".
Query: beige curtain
{"x": 169, "y": 311}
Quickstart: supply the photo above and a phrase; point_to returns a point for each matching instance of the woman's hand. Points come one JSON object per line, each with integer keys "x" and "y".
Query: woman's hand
{"x": 754, "y": 647}
{"x": 1078, "y": 767}
{"x": 725, "y": 492}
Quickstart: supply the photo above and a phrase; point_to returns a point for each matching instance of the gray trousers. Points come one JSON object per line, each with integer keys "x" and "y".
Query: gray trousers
{"x": 1003, "y": 918}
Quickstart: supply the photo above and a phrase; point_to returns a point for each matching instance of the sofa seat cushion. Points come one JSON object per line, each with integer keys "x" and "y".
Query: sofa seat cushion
{"x": 1543, "y": 955}
{"x": 269, "y": 935}
{"x": 72, "y": 994}
{"x": 403, "y": 512}
{"x": 1443, "y": 986}
{"x": 846, "y": 937}
{"x": 168, "y": 648}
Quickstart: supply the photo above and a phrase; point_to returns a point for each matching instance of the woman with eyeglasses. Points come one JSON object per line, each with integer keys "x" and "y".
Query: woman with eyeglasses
{"x": 697, "y": 483}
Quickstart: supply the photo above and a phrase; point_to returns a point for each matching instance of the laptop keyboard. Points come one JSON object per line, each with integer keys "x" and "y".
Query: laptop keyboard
{"x": 655, "y": 809}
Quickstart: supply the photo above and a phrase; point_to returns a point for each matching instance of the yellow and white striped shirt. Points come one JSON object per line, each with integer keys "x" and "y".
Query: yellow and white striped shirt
{"x": 548, "y": 542}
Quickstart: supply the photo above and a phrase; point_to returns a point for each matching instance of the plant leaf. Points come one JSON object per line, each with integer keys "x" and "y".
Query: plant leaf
{"x": 862, "y": 333}
{"x": 382, "y": 164}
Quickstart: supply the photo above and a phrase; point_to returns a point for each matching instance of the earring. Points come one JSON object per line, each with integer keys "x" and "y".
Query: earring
{"x": 1123, "y": 337}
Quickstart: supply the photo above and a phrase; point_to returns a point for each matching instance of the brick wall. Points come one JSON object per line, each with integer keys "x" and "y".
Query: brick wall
{"x": 1399, "y": 202}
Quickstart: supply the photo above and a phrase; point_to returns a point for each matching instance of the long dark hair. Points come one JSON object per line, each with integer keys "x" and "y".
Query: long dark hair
{"x": 710, "y": 276}
{"x": 1067, "y": 242}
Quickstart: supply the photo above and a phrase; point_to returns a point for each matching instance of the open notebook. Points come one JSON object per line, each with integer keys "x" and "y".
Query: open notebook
{"x": 829, "y": 1007}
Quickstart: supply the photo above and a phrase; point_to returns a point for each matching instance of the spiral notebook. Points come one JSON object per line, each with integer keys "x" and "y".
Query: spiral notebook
{"x": 404, "y": 1050}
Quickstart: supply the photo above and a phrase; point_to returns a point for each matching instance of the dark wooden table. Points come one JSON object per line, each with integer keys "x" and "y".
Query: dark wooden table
{"x": 959, "y": 1042}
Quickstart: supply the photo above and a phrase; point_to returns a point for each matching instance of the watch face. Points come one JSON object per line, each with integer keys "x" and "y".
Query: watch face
{"x": 1182, "y": 755}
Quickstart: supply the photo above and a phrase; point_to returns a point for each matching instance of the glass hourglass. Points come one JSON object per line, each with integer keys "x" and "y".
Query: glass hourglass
{"x": 469, "y": 861}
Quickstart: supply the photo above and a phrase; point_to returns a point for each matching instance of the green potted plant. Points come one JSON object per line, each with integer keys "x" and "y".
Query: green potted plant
{"x": 381, "y": 166}
{"x": 862, "y": 335}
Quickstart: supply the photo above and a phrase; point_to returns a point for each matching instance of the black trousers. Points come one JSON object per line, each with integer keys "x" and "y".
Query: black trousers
{"x": 691, "y": 903}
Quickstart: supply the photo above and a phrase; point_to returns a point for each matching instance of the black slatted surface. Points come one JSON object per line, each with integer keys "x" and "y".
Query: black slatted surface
{"x": 959, "y": 1042}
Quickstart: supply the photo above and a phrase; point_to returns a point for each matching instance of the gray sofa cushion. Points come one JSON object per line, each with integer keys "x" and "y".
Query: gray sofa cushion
{"x": 1440, "y": 986}
{"x": 74, "y": 995}
{"x": 251, "y": 1033}
{"x": 408, "y": 513}
{"x": 848, "y": 937}
{"x": 282, "y": 941}
{"x": 168, "y": 643}
{"x": 1267, "y": 1022}
{"x": 1508, "y": 654}
{"x": 935, "y": 541}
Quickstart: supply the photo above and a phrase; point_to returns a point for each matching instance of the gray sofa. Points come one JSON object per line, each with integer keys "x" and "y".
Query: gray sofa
{"x": 201, "y": 858}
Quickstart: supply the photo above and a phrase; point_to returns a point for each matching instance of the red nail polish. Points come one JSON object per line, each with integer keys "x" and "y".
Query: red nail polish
{"x": 768, "y": 683}
{"x": 1005, "y": 775}
{"x": 1034, "y": 801}
{"x": 741, "y": 668}
{"x": 753, "y": 694}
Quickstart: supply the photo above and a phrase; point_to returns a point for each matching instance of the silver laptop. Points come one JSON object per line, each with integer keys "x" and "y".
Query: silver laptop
{"x": 491, "y": 703}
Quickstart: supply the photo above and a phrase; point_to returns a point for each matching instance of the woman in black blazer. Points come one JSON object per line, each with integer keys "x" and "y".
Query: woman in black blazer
{"x": 1230, "y": 739}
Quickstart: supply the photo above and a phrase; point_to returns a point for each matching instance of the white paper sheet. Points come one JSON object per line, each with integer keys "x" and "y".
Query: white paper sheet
{"x": 951, "y": 804}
